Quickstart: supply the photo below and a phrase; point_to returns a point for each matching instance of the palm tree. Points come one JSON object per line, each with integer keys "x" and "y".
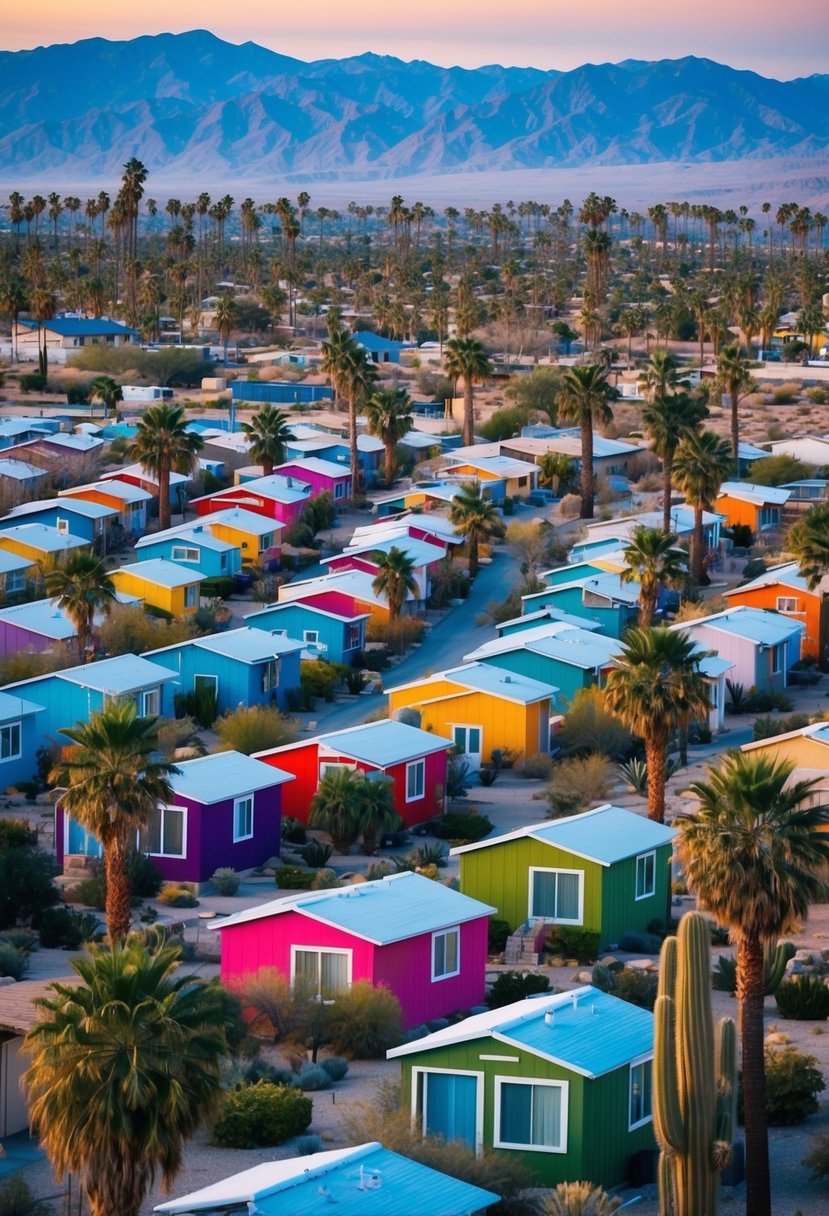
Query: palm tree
{"x": 111, "y": 785}
{"x": 395, "y": 579}
{"x": 555, "y": 468}
{"x": 12, "y": 303}
{"x": 352, "y": 375}
{"x": 225, "y": 319}
{"x": 477, "y": 518}
{"x": 735, "y": 379}
{"x": 125, "y": 1067}
{"x": 466, "y": 360}
{"x": 701, "y": 465}
{"x": 376, "y": 813}
{"x": 584, "y": 397}
{"x": 660, "y": 376}
{"x": 335, "y": 808}
{"x": 669, "y": 420}
{"x": 108, "y": 392}
{"x": 653, "y": 560}
{"x": 655, "y": 689}
{"x": 389, "y": 413}
{"x": 269, "y": 432}
{"x": 164, "y": 445}
{"x": 809, "y": 542}
{"x": 752, "y": 854}
{"x": 82, "y": 589}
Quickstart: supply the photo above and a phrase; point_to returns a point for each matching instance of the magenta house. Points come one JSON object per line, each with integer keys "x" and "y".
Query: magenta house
{"x": 424, "y": 941}
{"x": 226, "y": 811}
{"x": 323, "y": 476}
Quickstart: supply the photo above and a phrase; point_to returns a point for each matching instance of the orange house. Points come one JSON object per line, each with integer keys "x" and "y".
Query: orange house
{"x": 783, "y": 589}
{"x": 758, "y": 507}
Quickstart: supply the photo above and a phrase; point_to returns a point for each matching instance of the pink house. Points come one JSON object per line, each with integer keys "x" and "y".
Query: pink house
{"x": 415, "y": 760}
{"x": 323, "y": 476}
{"x": 424, "y": 941}
{"x": 275, "y": 497}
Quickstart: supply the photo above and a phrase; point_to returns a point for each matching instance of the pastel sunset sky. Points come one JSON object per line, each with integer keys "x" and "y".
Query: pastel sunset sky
{"x": 755, "y": 34}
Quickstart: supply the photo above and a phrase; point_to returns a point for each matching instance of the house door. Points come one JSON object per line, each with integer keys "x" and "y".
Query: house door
{"x": 14, "y": 1115}
{"x": 450, "y": 1106}
{"x": 469, "y": 741}
{"x": 79, "y": 840}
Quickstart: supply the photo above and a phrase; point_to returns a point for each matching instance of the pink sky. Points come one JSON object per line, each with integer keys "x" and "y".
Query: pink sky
{"x": 755, "y": 34}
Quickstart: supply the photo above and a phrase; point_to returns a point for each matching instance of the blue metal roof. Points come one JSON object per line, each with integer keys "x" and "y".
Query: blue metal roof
{"x": 384, "y": 743}
{"x": 80, "y": 327}
{"x": 247, "y": 644}
{"x": 41, "y": 536}
{"x": 224, "y": 775}
{"x": 367, "y": 1180}
{"x": 481, "y": 677}
{"x": 122, "y": 674}
{"x": 384, "y": 911}
{"x": 12, "y": 707}
{"x": 71, "y": 506}
{"x": 46, "y": 618}
{"x": 374, "y": 342}
{"x": 756, "y": 624}
{"x": 565, "y": 643}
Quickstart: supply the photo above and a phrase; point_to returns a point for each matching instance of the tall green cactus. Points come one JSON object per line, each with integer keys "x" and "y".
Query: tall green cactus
{"x": 694, "y": 1076}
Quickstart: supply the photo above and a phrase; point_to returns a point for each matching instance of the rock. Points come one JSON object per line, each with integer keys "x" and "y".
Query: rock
{"x": 583, "y": 977}
{"x": 641, "y": 964}
{"x": 793, "y": 967}
{"x": 572, "y": 962}
{"x": 6, "y": 980}
{"x": 609, "y": 960}
{"x": 804, "y": 956}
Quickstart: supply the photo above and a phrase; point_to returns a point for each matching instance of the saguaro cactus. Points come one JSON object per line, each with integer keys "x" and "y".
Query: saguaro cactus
{"x": 694, "y": 1076}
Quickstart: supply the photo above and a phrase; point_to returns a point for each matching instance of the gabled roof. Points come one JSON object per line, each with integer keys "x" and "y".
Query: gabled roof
{"x": 497, "y": 466}
{"x": 43, "y": 537}
{"x": 71, "y": 506}
{"x": 247, "y": 645}
{"x": 124, "y": 491}
{"x": 587, "y": 1031}
{"x": 138, "y": 470}
{"x": 755, "y": 624}
{"x": 549, "y": 613}
{"x": 13, "y": 428}
{"x": 355, "y": 583}
{"x": 224, "y": 775}
{"x": 565, "y": 643}
{"x": 81, "y": 327}
{"x": 381, "y": 744}
{"x": 375, "y": 342}
{"x": 818, "y": 731}
{"x": 606, "y": 835}
{"x": 758, "y": 496}
{"x": 20, "y": 470}
{"x": 481, "y": 677}
{"x": 312, "y": 464}
{"x": 785, "y": 575}
{"x": 307, "y": 606}
{"x": 395, "y": 525}
{"x": 125, "y": 673}
{"x": 195, "y": 534}
{"x": 10, "y": 562}
{"x": 12, "y": 707}
{"x": 278, "y": 489}
{"x": 383, "y": 911}
{"x": 162, "y": 572}
{"x": 70, "y": 443}
{"x": 419, "y": 551}
{"x": 47, "y": 619}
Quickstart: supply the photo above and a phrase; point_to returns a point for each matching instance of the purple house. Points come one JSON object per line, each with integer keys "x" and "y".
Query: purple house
{"x": 41, "y": 625}
{"x": 323, "y": 476}
{"x": 424, "y": 941}
{"x": 226, "y": 812}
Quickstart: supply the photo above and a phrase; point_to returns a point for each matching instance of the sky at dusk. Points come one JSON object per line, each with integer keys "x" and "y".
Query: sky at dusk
{"x": 754, "y": 34}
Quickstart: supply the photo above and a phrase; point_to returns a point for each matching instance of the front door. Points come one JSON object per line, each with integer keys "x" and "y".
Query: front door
{"x": 450, "y": 1106}
{"x": 79, "y": 840}
{"x": 469, "y": 742}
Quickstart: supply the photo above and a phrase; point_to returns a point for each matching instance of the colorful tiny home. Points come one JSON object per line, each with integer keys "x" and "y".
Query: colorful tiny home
{"x": 168, "y": 586}
{"x": 563, "y": 1083}
{"x": 783, "y": 589}
{"x": 556, "y": 653}
{"x": 329, "y": 626}
{"x": 607, "y": 870}
{"x": 757, "y": 507}
{"x": 275, "y": 497}
{"x": 761, "y": 646}
{"x": 424, "y": 941}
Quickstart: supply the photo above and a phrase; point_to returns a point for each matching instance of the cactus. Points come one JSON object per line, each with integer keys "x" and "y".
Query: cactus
{"x": 694, "y": 1076}
{"x": 775, "y": 958}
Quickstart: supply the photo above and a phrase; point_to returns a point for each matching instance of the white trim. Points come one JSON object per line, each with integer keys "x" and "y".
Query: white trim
{"x": 150, "y": 692}
{"x": 447, "y": 975}
{"x": 502, "y": 1059}
{"x": 9, "y": 726}
{"x": 638, "y": 1064}
{"x": 562, "y": 1086}
{"x": 787, "y": 604}
{"x": 237, "y": 801}
{"x": 419, "y": 1072}
{"x": 643, "y": 858}
{"x": 185, "y": 553}
{"x": 416, "y": 764}
{"x": 349, "y": 957}
{"x": 555, "y": 920}
{"x": 162, "y": 809}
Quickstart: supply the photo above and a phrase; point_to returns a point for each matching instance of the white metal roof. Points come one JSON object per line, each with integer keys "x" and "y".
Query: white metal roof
{"x": 481, "y": 677}
{"x": 78, "y": 506}
{"x": 755, "y": 624}
{"x": 787, "y": 575}
{"x": 124, "y": 491}
{"x": 758, "y": 496}
{"x": 224, "y": 775}
{"x": 162, "y": 572}
{"x": 556, "y": 640}
{"x": 42, "y": 536}
{"x": 137, "y": 470}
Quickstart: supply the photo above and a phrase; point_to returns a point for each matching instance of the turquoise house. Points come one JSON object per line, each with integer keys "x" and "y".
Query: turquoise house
{"x": 541, "y": 616}
{"x": 243, "y": 667}
{"x": 562, "y": 655}
{"x": 197, "y": 548}
{"x": 332, "y": 630}
{"x": 588, "y": 591}
{"x": 18, "y": 739}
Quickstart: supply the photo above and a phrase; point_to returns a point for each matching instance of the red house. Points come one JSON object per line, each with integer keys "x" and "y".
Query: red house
{"x": 424, "y": 941}
{"x": 414, "y": 759}
{"x": 275, "y": 497}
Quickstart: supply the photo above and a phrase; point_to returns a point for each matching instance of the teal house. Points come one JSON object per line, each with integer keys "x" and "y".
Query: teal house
{"x": 561, "y": 1083}
{"x": 333, "y": 630}
{"x": 18, "y": 739}
{"x": 588, "y": 591}
{"x": 563, "y": 655}
{"x": 541, "y": 616}
{"x": 196, "y": 547}
{"x": 242, "y": 666}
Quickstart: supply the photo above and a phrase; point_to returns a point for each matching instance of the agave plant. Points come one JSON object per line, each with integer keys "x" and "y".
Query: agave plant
{"x": 635, "y": 773}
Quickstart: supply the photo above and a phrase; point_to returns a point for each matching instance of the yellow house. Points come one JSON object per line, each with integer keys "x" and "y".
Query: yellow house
{"x": 257, "y": 536}
{"x": 161, "y": 584}
{"x": 518, "y": 477}
{"x": 481, "y": 708}
{"x": 807, "y": 749}
{"x": 40, "y": 542}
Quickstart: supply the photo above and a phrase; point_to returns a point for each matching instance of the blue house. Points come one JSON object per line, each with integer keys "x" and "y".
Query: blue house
{"x": 334, "y": 632}
{"x": 243, "y": 666}
{"x": 90, "y": 521}
{"x": 279, "y": 393}
{"x": 589, "y": 591}
{"x": 72, "y": 695}
{"x": 19, "y": 739}
{"x": 195, "y": 546}
{"x": 380, "y": 350}
{"x": 561, "y": 655}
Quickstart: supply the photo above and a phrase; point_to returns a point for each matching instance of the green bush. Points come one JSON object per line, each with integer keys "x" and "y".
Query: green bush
{"x": 499, "y": 931}
{"x": 628, "y": 984}
{"x": 578, "y": 783}
{"x": 803, "y": 998}
{"x": 13, "y": 962}
{"x": 26, "y": 887}
{"x": 580, "y": 944}
{"x": 640, "y": 943}
{"x": 17, "y": 1199}
{"x": 219, "y": 587}
{"x": 261, "y": 1070}
{"x": 255, "y": 728}
{"x": 364, "y": 1022}
{"x": 16, "y": 834}
{"x": 765, "y": 702}
{"x": 90, "y": 892}
{"x": 590, "y": 727}
{"x": 175, "y": 895}
{"x": 316, "y": 854}
{"x": 325, "y": 880}
{"x": 512, "y": 986}
{"x": 319, "y": 680}
{"x": 61, "y": 928}
{"x": 312, "y": 1077}
{"x": 294, "y": 878}
{"x": 769, "y": 726}
{"x": 793, "y": 1081}
{"x": 293, "y": 830}
{"x": 201, "y": 704}
{"x": 226, "y": 880}
{"x": 261, "y": 1115}
{"x": 467, "y": 826}
{"x": 32, "y": 382}
{"x": 22, "y": 939}
{"x": 144, "y": 876}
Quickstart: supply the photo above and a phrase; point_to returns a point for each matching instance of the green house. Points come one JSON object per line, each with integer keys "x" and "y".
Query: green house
{"x": 564, "y": 1082}
{"x": 607, "y": 870}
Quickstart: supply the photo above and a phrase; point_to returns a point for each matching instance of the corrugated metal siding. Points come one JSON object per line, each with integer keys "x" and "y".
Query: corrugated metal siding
{"x": 406, "y": 968}
{"x": 622, "y": 912}
{"x": 608, "y": 1145}
{"x": 303, "y": 763}
{"x": 267, "y": 942}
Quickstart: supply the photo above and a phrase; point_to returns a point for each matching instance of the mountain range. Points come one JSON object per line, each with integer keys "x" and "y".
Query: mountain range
{"x": 193, "y": 106}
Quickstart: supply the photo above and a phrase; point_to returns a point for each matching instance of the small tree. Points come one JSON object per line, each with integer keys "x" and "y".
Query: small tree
{"x": 336, "y": 806}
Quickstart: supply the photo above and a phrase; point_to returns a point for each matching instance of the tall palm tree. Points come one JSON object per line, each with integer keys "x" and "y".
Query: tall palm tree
{"x": 108, "y": 392}
{"x": 352, "y": 375}
{"x": 465, "y": 359}
{"x": 111, "y": 784}
{"x": 389, "y": 413}
{"x": 224, "y": 318}
{"x": 12, "y": 303}
{"x": 701, "y": 465}
{"x": 669, "y": 419}
{"x": 735, "y": 379}
{"x": 808, "y": 540}
{"x": 752, "y": 854}
{"x": 164, "y": 445}
{"x": 395, "y": 579}
{"x": 654, "y": 689}
{"x": 583, "y": 399}
{"x": 125, "y": 1066}
{"x": 269, "y": 432}
{"x": 82, "y": 589}
{"x": 477, "y": 518}
{"x": 660, "y": 376}
{"x": 653, "y": 560}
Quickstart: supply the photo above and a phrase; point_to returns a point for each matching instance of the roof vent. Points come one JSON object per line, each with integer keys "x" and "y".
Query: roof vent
{"x": 507, "y": 679}
{"x": 549, "y": 1017}
{"x": 574, "y": 997}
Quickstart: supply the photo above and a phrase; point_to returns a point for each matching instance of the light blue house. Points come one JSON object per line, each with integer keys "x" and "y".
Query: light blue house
{"x": 541, "y": 616}
{"x": 589, "y": 591}
{"x": 334, "y": 633}
{"x": 379, "y": 349}
{"x": 14, "y": 572}
{"x": 566, "y": 657}
{"x": 243, "y": 666}
{"x": 72, "y": 695}
{"x": 19, "y": 739}
{"x": 196, "y": 547}
{"x": 90, "y": 521}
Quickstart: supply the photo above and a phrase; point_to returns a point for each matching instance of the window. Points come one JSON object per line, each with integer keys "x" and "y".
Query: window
{"x": 352, "y": 637}
{"x": 714, "y": 689}
{"x": 449, "y": 1104}
{"x": 786, "y": 603}
{"x": 266, "y": 542}
{"x": 191, "y": 596}
{"x": 223, "y": 561}
{"x": 206, "y": 684}
{"x": 415, "y": 780}
{"x": 556, "y": 895}
{"x": 270, "y": 675}
{"x": 641, "y": 1094}
{"x": 326, "y": 972}
{"x": 341, "y": 489}
{"x": 776, "y": 660}
{"x": 149, "y": 702}
{"x": 446, "y": 954}
{"x": 165, "y": 834}
{"x": 531, "y": 1115}
{"x": 645, "y": 875}
{"x": 311, "y": 635}
{"x": 243, "y": 818}
{"x": 15, "y": 581}
{"x": 10, "y": 748}
{"x": 62, "y": 526}
{"x": 467, "y": 739}
{"x": 183, "y": 553}
{"x": 329, "y": 766}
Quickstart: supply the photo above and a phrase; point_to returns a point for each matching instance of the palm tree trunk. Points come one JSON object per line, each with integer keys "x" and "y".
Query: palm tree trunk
{"x": 352, "y": 444}
{"x": 587, "y": 480}
{"x": 647, "y": 605}
{"x": 267, "y": 466}
{"x": 667, "y": 480}
{"x": 164, "y": 494}
{"x": 118, "y": 890}
{"x": 389, "y": 462}
{"x": 472, "y": 546}
{"x": 655, "y": 749}
{"x": 750, "y": 995}
{"x": 468, "y": 412}
{"x": 735, "y": 431}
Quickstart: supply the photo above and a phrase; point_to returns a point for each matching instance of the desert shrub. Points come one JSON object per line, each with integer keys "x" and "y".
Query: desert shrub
{"x": 725, "y": 974}
{"x": 590, "y": 727}
{"x": 512, "y": 986}
{"x": 740, "y": 535}
{"x": 128, "y": 630}
{"x": 17, "y": 1199}
{"x": 32, "y": 382}
{"x": 364, "y": 1021}
{"x": 306, "y": 1146}
{"x": 26, "y": 664}
{"x": 488, "y": 775}
{"x": 536, "y": 767}
{"x": 315, "y": 853}
{"x": 219, "y": 587}
{"x": 293, "y": 830}
{"x": 61, "y": 928}
{"x": 765, "y": 702}
{"x": 777, "y": 470}
{"x": 22, "y": 939}
{"x": 335, "y": 1066}
{"x": 261, "y": 1115}
{"x": 325, "y": 880}
{"x": 16, "y": 834}
{"x": 786, "y": 393}
{"x": 226, "y": 880}
{"x": 379, "y": 869}
{"x": 312, "y": 1076}
{"x": 144, "y": 876}
{"x": 13, "y": 962}
{"x": 578, "y": 783}
{"x": 319, "y": 680}
{"x": 635, "y": 774}
{"x": 448, "y": 582}
{"x": 270, "y": 995}
{"x": 457, "y": 777}
{"x": 26, "y": 887}
{"x": 467, "y": 826}
{"x": 355, "y": 681}
{"x": 398, "y": 635}
{"x": 170, "y": 366}
{"x": 90, "y": 892}
{"x": 628, "y": 984}
{"x": 499, "y": 931}
{"x": 579, "y": 1199}
{"x": 175, "y": 895}
{"x": 737, "y": 698}
{"x": 640, "y": 943}
{"x": 767, "y": 727}
{"x": 803, "y": 998}
{"x": 570, "y": 505}
{"x": 817, "y": 1158}
{"x": 293, "y": 878}
{"x": 427, "y": 855}
{"x": 255, "y": 728}
{"x": 179, "y": 733}
{"x": 793, "y": 1081}
{"x": 572, "y": 942}
{"x": 260, "y": 1070}
{"x": 200, "y": 704}
{"x": 818, "y": 395}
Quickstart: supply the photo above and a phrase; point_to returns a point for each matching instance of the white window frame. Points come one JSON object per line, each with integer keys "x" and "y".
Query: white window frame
{"x": 319, "y": 950}
{"x": 207, "y": 678}
{"x": 15, "y": 581}
{"x": 9, "y": 727}
{"x": 163, "y": 809}
{"x": 418, "y": 1084}
{"x": 643, "y": 857}
{"x": 416, "y": 766}
{"x": 787, "y": 603}
{"x": 191, "y": 595}
{"x": 444, "y": 933}
{"x": 533, "y": 870}
{"x": 328, "y": 765}
{"x": 633, "y": 1066}
{"x": 777, "y": 661}
{"x": 311, "y": 636}
{"x": 714, "y": 686}
{"x": 237, "y": 804}
{"x": 62, "y": 525}
{"x": 144, "y": 694}
{"x": 563, "y": 1086}
{"x": 270, "y": 675}
{"x": 467, "y": 727}
{"x": 185, "y": 553}
{"x": 266, "y": 542}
